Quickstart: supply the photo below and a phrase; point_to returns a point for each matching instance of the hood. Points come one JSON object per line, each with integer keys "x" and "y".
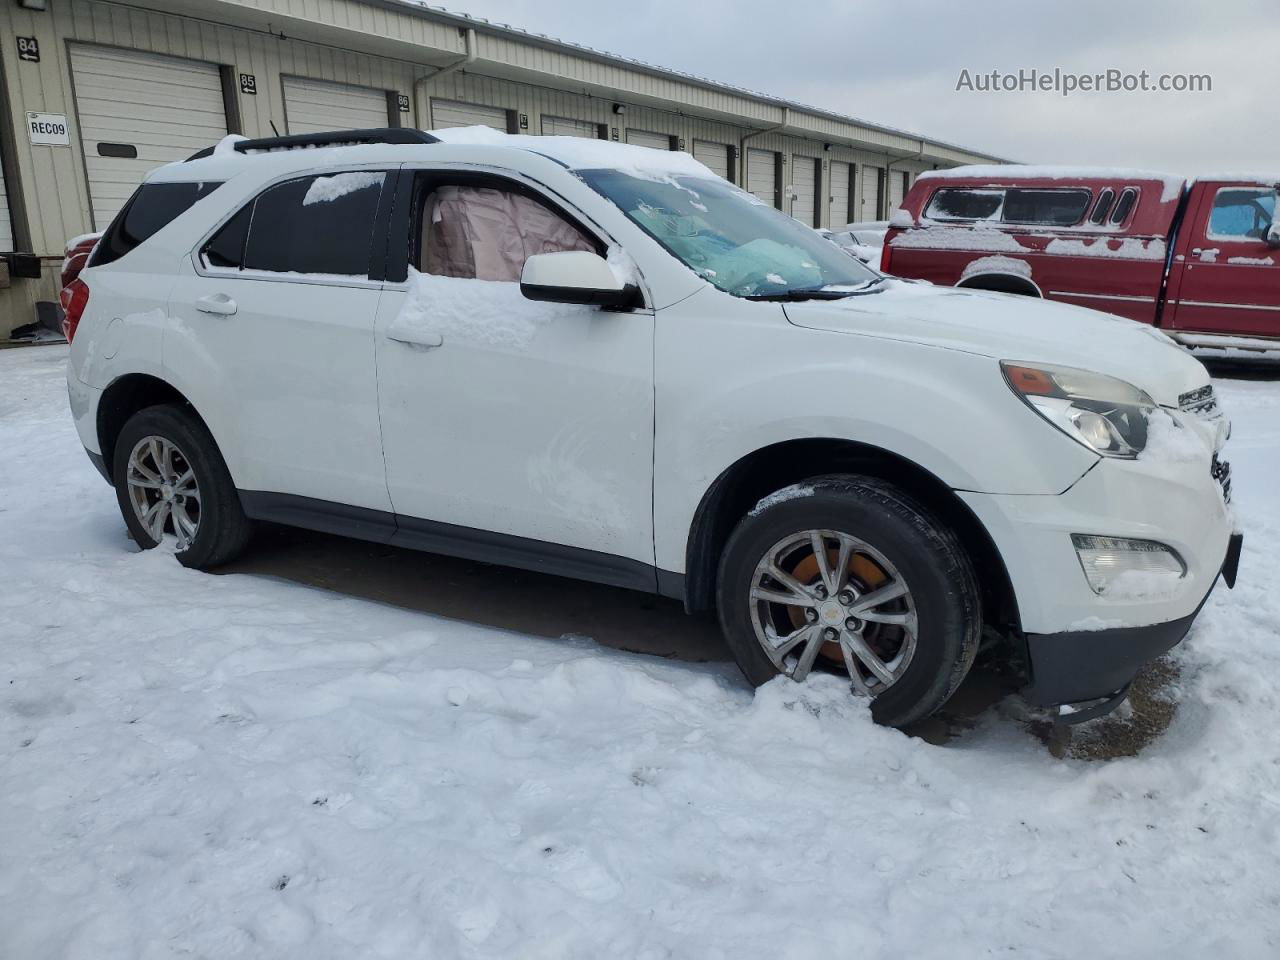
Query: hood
{"x": 1009, "y": 327}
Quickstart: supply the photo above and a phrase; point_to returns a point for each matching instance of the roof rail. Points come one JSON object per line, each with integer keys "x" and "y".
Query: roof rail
{"x": 333, "y": 138}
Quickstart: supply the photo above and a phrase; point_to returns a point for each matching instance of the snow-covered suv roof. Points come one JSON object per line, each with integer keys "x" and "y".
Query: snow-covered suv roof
{"x": 486, "y": 145}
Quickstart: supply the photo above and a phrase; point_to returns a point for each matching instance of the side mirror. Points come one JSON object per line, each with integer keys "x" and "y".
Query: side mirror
{"x": 576, "y": 276}
{"x": 1273, "y": 234}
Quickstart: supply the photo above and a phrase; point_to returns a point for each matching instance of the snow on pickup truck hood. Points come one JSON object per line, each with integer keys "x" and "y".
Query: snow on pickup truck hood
{"x": 1009, "y": 327}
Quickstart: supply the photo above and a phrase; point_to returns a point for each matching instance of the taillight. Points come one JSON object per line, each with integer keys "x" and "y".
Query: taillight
{"x": 74, "y": 298}
{"x": 886, "y": 254}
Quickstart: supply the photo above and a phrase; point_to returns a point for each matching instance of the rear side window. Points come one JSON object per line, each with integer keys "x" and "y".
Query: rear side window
{"x": 1057, "y": 208}
{"x": 152, "y": 207}
{"x": 315, "y": 225}
{"x": 965, "y": 205}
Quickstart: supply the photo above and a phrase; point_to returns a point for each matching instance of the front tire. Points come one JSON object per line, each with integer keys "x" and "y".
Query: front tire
{"x": 172, "y": 484}
{"x": 852, "y": 576}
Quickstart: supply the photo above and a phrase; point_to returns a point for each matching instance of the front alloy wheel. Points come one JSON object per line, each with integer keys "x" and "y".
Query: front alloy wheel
{"x": 853, "y": 576}
{"x": 826, "y": 596}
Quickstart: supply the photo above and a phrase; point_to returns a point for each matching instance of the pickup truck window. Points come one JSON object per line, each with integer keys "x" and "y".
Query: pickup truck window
{"x": 1103, "y": 206}
{"x": 1128, "y": 197}
{"x": 1052, "y": 207}
{"x": 1242, "y": 213}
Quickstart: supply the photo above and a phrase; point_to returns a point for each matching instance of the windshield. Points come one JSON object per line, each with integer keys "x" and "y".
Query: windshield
{"x": 731, "y": 238}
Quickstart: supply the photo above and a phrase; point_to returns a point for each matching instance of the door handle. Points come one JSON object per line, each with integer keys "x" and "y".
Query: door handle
{"x": 218, "y": 304}
{"x": 427, "y": 339}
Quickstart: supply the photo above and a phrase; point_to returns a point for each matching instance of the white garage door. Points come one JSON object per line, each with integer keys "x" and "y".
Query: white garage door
{"x": 317, "y": 106}
{"x": 839, "y": 194}
{"x": 643, "y": 138}
{"x": 137, "y": 111}
{"x": 804, "y": 189}
{"x": 564, "y": 127}
{"x": 870, "y": 193}
{"x": 6, "y": 222}
{"x": 454, "y": 113}
{"x": 897, "y": 189}
{"x": 715, "y": 156}
{"x": 762, "y": 175}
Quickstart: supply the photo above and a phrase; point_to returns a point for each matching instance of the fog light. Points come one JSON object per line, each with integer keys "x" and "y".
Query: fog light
{"x": 1115, "y": 565}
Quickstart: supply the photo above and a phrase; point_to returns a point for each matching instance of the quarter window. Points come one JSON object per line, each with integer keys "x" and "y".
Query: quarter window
{"x": 1124, "y": 206}
{"x": 152, "y": 208}
{"x": 1103, "y": 207}
{"x": 1242, "y": 213}
{"x": 314, "y": 225}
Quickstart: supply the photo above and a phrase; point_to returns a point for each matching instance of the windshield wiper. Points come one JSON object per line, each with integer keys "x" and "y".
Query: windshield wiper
{"x": 828, "y": 291}
{"x": 800, "y": 293}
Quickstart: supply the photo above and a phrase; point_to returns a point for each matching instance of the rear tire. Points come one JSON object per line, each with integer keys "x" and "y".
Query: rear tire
{"x": 909, "y": 651}
{"x": 172, "y": 483}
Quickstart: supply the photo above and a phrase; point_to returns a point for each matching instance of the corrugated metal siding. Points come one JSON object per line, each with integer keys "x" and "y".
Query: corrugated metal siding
{"x": 163, "y": 108}
{"x": 316, "y": 106}
{"x": 762, "y": 175}
{"x": 838, "y": 194}
{"x": 454, "y": 113}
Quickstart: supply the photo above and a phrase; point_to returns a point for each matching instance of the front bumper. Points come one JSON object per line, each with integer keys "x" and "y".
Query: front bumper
{"x": 1080, "y": 666}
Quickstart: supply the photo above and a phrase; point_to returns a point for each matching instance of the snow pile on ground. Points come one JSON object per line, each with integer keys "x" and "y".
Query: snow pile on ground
{"x": 195, "y": 765}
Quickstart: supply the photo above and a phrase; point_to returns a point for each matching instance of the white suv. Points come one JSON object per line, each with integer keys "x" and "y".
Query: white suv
{"x": 604, "y": 362}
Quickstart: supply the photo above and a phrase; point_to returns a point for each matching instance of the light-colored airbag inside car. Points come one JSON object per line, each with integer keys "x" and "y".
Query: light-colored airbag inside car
{"x": 488, "y": 234}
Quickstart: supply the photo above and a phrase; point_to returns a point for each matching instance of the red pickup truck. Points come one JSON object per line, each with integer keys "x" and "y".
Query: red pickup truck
{"x": 1198, "y": 258}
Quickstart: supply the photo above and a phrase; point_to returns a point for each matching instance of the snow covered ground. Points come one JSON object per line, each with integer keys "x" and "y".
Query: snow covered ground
{"x": 234, "y": 766}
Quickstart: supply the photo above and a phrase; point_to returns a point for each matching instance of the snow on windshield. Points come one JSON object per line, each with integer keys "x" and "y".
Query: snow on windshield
{"x": 728, "y": 237}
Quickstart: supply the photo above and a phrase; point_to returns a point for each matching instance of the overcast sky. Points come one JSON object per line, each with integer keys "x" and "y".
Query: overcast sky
{"x": 897, "y": 62}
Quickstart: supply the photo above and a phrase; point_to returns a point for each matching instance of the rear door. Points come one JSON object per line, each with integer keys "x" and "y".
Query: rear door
{"x": 1228, "y": 281}
{"x": 275, "y": 314}
{"x": 137, "y": 111}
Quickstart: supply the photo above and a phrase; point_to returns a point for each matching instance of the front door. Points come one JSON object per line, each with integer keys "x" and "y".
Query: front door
{"x": 1229, "y": 281}
{"x": 513, "y": 430}
{"x": 277, "y": 316}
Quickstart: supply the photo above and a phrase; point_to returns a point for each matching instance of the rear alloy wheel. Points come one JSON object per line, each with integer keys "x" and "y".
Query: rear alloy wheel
{"x": 173, "y": 485}
{"x": 163, "y": 491}
{"x": 856, "y": 578}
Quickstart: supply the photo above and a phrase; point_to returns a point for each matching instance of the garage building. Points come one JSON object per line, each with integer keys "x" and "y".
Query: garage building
{"x": 94, "y": 93}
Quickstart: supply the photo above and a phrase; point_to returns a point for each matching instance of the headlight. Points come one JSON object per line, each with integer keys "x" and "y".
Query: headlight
{"x": 1107, "y": 415}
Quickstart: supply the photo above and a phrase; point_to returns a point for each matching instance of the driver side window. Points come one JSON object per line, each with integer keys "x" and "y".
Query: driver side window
{"x": 1242, "y": 213}
{"x": 487, "y": 232}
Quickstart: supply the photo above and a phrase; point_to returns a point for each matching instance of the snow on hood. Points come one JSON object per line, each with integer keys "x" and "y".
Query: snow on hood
{"x": 1007, "y": 327}
{"x": 579, "y": 153}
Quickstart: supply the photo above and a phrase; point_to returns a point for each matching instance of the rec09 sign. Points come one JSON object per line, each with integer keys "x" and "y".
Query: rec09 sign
{"x": 48, "y": 129}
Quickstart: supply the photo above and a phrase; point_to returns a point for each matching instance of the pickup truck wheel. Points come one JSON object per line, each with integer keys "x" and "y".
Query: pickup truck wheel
{"x": 173, "y": 485}
{"x": 852, "y": 576}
